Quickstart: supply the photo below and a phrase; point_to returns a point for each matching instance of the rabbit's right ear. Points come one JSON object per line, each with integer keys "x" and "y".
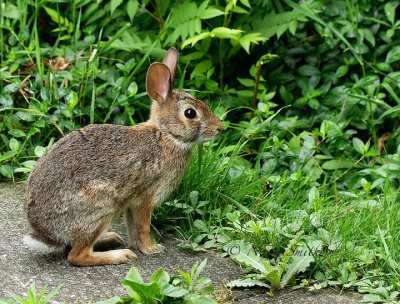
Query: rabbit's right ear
{"x": 158, "y": 82}
{"x": 171, "y": 61}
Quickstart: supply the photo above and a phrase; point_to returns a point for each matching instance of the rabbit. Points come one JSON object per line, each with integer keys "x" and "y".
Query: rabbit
{"x": 92, "y": 174}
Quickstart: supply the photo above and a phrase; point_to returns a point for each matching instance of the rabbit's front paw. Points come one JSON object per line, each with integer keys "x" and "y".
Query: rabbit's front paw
{"x": 152, "y": 249}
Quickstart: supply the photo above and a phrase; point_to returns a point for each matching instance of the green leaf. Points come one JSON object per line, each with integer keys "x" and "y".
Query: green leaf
{"x": 247, "y": 82}
{"x": 114, "y": 5}
{"x": 5, "y": 101}
{"x": 245, "y": 3}
{"x": 366, "y": 81}
{"x": 198, "y": 299}
{"x": 273, "y": 276}
{"x": 226, "y": 33}
{"x": 160, "y": 277}
{"x": 390, "y": 32}
{"x": 39, "y": 151}
{"x": 369, "y": 36}
{"x": 193, "y": 40}
{"x": 254, "y": 262}
{"x": 12, "y": 88}
{"x": 194, "y": 197}
{"x": 22, "y": 170}
{"x": 293, "y": 26}
{"x": 11, "y": 11}
{"x": 134, "y": 275}
{"x": 285, "y": 95}
{"x": 203, "y": 281}
{"x": 7, "y": 155}
{"x": 313, "y": 196}
{"x": 199, "y": 270}
{"x": 250, "y": 38}
{"x": 25, "y": 115}
{"x": 248, "y": 282}
{"x": 186, "y": 276}
{"x": 393, "y": 110}
{"x": 297, "y": 264}
{"x": 201, "y": 68}
{"x": 33, "y": 131}
{"x": 29, "y": 164}
{"x": 17, "y": 133}
{"x": 393, "y": 55}
{"x": 372, "y": 298}
{"x": 18, "y": 299}
{"x": 265, "y": 125}
{"x": 7, "y": 171}
{"x": 143, "y": 292}
{"x": 52, "y": 294}
{"x": 308, "y": 70}
{"x": 14, "y": 144}
{"x": 342, "y": 70}
{"x": 358, "y": 145}
{"x": 131, "y": 8}
{"x": 72, "y": 100}
{"x": 239, "y": 10}
{"x": 324, "y": 128}
{"x": 211, "y": 13}
{"x": 390, "y": 12}
{"x": 174, "y": 291}
{"x": 57, "y": 18}
{"x": 132, "y": 89}
{"x": 335, "y": 164}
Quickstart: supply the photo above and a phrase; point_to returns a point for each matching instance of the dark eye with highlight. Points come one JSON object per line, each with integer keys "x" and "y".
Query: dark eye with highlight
{"x": 190, "y": 113}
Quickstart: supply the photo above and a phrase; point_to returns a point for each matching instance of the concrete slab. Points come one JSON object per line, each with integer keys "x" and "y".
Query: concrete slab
{"x": 19, "y": 267}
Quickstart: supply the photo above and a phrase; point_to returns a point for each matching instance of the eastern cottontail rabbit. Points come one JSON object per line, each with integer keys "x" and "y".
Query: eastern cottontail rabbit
{"x": 90, "y": 175}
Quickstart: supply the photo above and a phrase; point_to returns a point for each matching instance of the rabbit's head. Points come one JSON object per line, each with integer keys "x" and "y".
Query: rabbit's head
{"x": 182, "y": 117}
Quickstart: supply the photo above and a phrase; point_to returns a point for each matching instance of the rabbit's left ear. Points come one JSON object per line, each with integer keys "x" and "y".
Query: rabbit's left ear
{"x": 158, "y": 82}
{"x": 171, "y": 61}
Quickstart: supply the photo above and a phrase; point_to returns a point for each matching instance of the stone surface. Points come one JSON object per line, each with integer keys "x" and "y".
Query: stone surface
{"x": 19, "y": 266}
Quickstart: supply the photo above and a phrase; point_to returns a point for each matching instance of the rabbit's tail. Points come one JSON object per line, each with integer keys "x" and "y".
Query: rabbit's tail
{"x": 40, "y": 244}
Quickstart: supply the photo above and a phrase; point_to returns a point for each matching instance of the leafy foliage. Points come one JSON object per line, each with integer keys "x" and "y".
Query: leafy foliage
{"x": 162, "y": 288}
{"x": 33, "y": 296}
{"x": 278, "y": 276}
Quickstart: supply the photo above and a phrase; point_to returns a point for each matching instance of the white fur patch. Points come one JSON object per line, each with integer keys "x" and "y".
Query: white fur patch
{"x": 38, "y": 246}
{"x": 116, "y": 254}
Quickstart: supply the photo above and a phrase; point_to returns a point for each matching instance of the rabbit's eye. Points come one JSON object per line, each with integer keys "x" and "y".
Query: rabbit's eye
{"x": 190, "y": 113}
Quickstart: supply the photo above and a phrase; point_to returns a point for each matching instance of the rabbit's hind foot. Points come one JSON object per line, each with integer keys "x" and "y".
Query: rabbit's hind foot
{"x": 87, "y": 258}
{"x": 82, "y": 254}
{"x": 108, "y": 240}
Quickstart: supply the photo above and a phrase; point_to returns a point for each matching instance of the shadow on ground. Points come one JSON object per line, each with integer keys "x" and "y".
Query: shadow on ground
{"x": 19, "y": 267}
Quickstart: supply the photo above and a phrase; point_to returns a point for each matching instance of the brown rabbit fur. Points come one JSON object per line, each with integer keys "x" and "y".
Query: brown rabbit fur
{"x": 92, "y": 174}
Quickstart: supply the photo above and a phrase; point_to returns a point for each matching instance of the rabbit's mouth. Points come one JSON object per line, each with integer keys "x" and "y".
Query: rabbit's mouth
{"x": 207, "y": 137}
{"x": 210, "y": 132}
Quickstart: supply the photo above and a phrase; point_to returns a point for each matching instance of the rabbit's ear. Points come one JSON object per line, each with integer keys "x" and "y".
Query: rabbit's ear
{"x": 158, "y": 82}
{"x": 171, "y": 61}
